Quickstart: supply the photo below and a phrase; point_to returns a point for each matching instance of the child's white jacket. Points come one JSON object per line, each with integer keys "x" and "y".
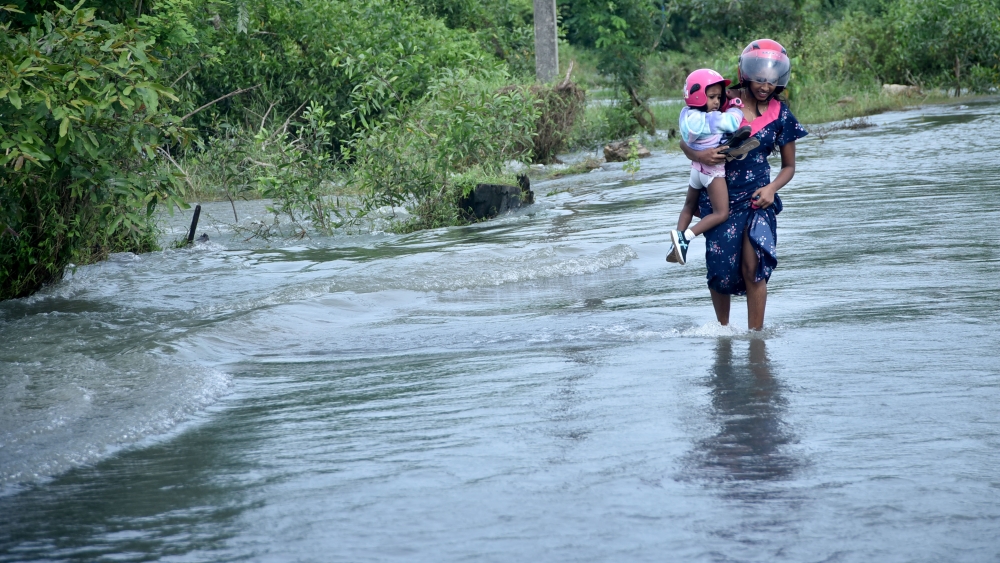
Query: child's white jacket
{"x": 703, "y": 130}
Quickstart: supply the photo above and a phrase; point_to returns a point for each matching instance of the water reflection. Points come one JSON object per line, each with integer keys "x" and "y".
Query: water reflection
{"x": 747, "y": 403}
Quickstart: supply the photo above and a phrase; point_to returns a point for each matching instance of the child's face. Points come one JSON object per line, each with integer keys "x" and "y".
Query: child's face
{"x": 714, "y": 95}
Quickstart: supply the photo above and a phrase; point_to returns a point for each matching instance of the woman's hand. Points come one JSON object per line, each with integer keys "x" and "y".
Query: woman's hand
{"x": 708, "y": 157}
{"x": 711, "y": 157}
{"x": 764, "y": 197}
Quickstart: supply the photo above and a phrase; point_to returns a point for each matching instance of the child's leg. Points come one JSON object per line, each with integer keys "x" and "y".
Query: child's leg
{"x": 718, "y": 194}
{"x": 687, "y": 212}
{"x": 679, "y": 246}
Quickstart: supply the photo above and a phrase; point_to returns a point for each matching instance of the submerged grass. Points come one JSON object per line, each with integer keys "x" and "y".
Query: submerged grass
{"x": 827, "y": 102}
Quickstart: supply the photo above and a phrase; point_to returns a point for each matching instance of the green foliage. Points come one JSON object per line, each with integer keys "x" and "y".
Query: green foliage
{"x": 303, "y": 164}
{"x": 624, "y": 33}
{"x": 27, "y": 13}
{"x": 559, "y": 107}
{"x": 840, "y": 48}
{"x": 169, "y": 22}
{"x": 923, "y": 42}
{"x": 938, "y": 39}
{"x": 444, "y": 210}
{"x": 601, "y": 123}
{"x": 327, "y": 52}
{"x": 632, "y": 165}
{"x": 288, "y": 160}
{"x": 585, "y": 73}
{"x": 82, "y": 120}
{"x": 720, "y": 20}
{"x": 502, "y": 27}
{"x": 465, "y": 121}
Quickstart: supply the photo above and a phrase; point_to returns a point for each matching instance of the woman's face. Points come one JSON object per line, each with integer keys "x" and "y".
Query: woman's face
{"x": 714, "y": 95}
{"x": 761, "y": 90}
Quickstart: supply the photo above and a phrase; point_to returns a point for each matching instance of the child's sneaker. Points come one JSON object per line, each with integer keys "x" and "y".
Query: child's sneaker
{"x": 679, "y": 251}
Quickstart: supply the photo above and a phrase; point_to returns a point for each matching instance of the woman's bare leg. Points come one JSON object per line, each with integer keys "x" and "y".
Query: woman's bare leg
{"x": 756, "y": 290}
{"x": 721, "y": 303}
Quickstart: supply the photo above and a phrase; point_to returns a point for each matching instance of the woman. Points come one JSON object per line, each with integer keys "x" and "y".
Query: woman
{"x": 742, "y": 252}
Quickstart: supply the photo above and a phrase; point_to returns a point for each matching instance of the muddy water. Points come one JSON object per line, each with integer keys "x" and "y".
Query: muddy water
{"x": 540, "y": 387}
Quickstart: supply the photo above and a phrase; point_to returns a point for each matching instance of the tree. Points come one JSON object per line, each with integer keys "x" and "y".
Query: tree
{"x": 624, "y": 32}
{"x": 937, "y": 38}
{"x": 82, "y": 122}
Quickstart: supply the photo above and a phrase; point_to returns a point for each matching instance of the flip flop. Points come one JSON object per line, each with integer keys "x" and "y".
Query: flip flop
{"x": 740, "y": 152}
{"x": 740, "y": 135}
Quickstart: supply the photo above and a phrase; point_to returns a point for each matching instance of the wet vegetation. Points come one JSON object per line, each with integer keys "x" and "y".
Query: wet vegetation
{"x": 112, "y": 111}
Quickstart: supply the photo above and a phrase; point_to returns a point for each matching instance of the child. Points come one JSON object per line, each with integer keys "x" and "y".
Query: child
{"x": 702, "y": 126}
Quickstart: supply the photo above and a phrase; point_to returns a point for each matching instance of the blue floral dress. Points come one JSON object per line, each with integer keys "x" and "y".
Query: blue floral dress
{"x": 724, "y": 243}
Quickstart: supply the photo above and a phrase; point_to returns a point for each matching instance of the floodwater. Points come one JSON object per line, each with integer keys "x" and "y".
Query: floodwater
{"x": 542, "y": 387}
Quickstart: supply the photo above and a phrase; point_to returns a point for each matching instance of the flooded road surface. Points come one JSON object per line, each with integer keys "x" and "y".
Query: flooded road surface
{"x": 543, "y": 387}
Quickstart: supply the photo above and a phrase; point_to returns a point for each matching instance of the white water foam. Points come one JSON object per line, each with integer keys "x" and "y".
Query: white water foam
{"x": 444, "y": 272}
{"x": 712, "y": 330}
{"x": 716, "y": 330}
{"x": 73, "y": 410}
{"x": 468, "y": 271}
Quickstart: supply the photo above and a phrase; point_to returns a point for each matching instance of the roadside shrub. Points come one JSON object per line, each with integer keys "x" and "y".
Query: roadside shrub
{"x": 620, "y": 118}
{"x": 624, "y": 33}
{"x": 465, "y": 122}
{"x": 319, "y": 51}
{"x": 502, "y": 27}
{"x": 559, "y": 106}
{"x": 945, "y": 43}
{"x": 941, "y": 40}
{"x": 82, "y": 123}
{"x": 445, "y": 210}
{"x": 605, "y": 121}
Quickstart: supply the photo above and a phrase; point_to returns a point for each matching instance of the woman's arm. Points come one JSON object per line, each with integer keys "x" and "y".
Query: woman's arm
{"x": 708, "y": 157}
{"x": 765, "y": 194}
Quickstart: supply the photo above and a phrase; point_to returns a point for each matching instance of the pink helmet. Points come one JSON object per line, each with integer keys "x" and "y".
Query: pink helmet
{"x": 765, "y": 60}
{"x": 696, "y": 84}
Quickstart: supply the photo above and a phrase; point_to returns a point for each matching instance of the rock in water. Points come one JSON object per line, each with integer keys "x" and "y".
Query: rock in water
{"x": 527, "y": 196}
{"x": 618, "y": 151}
{"x": 490, "y": 200}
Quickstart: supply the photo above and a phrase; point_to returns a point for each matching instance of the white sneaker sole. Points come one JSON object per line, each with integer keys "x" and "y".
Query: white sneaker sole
{"x": 677, "y": 248}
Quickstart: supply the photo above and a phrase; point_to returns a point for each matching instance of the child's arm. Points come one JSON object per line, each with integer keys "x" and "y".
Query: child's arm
{"x": 693, "y": 124}
{"x": 727, "y": 121}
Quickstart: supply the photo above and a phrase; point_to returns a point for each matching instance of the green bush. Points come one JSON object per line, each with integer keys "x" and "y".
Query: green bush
{"x": 467, "y": 121}
{"x": 502, "y": 27}
{"x": 939, "y": 43}
{"x": 318, "y": 51}
{"x": 624, "y": 33}
{"x": 559, "y": 107}
{"x": 300, "y": 166}
{"x": 82, "y": 123}
{"x": 941, "y": 40}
